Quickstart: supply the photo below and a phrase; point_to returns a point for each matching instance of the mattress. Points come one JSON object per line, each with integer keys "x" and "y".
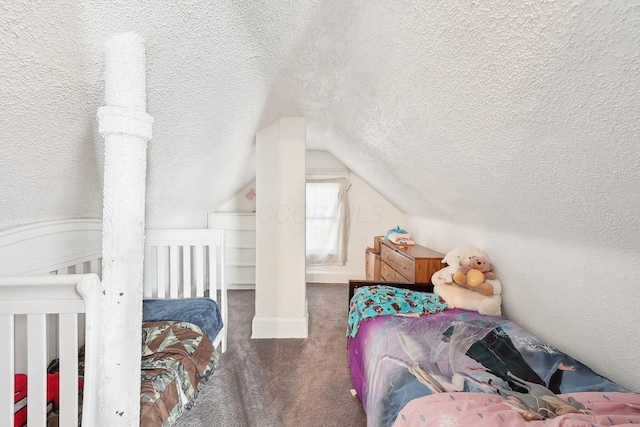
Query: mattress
{"x": 448, "y": 368}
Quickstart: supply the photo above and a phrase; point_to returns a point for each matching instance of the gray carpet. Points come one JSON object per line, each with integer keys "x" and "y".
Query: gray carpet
{"x": 285, "y": 382}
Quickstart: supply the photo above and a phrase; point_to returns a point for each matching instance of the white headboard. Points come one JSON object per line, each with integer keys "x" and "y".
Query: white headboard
{"x": 52, "y": 247}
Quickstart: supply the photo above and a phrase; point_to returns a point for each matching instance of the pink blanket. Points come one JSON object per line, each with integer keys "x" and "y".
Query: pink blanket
{"x": 481, "y": 409}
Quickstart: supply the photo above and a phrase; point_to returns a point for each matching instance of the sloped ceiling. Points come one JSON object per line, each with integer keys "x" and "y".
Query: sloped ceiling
{"x": 517, "y": 116}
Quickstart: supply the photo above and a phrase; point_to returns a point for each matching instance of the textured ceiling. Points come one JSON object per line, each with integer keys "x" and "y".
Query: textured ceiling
{"x": 517, "y": 116}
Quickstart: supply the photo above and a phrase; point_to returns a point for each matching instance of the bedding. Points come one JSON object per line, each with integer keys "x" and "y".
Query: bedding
{"x": 449, "y": 368}
{"x": 374, "y": 301}
{"x": 177, "y": 359}
{"x": 203, "y": 312}
{"x": 177, "y": 355}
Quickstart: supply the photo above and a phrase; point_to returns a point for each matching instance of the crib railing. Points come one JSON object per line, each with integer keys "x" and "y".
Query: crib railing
{"x": 184, "y": 263}
{"x": 66, "y": 297}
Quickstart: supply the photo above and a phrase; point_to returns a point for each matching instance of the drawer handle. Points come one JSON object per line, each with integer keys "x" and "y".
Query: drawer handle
{"x": 403, "y": 265}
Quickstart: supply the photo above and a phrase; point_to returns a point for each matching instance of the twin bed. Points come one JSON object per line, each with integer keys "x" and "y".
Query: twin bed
{"x": 451, "y": 367}
{"x": 50, "y": 321}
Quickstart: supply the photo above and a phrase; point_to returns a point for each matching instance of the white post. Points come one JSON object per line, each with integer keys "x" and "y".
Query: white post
{"x": 281, "y": 305}
{"x": 126, "y": 128}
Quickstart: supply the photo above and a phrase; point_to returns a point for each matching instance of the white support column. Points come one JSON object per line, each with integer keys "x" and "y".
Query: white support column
{"x": 126, "y": 128}
{"x": 281, "y": 305}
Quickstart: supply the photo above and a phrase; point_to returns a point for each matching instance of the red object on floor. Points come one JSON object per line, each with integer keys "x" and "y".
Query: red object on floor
{"x": 53, "y": 391}
{"x": 20, "y": 400}
{"x": 20, "y": 397}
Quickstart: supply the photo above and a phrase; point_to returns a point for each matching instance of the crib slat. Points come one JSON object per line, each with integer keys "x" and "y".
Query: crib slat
{"x": 37, "y": 369}
{"x": 213, "y": 273}
{"x": 199, "y": 270}
{"x": 174, "y": 263}
{"x": 186, "y": 271}
{"x": 223, "y": 292}
{"x": 68, "y": 331}
{"x": 161, "y": 269}
{"x": 6, "y": 370}
{"x": 150, "y": 256}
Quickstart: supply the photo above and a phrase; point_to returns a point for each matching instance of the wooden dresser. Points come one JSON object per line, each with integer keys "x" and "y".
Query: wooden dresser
{"x": 409, "y": 264}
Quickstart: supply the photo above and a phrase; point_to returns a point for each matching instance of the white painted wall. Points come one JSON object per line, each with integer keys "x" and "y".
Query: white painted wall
{"x": 581, "y": 298}
{"x": 50, "y": 153}
{"x": 240, "y": 203}
{"x": 280, "y": 309}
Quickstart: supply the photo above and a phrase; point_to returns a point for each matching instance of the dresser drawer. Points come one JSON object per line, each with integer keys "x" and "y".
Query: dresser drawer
{"x": 397, "y": 277}
{"x": 388, "y": 255}
{"x": 406, "y": 266}
{"x": 402, "y": 264}
{"x": 387, "y": 272}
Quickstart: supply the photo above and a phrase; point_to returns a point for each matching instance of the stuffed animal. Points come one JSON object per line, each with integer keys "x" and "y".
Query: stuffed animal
{"x": 474, "y": 276}
{"x": 459, "y": 297}
{"x": 455, "y": 259}
{"x": 398, "y": 236}
{"x": 396, "y": 230}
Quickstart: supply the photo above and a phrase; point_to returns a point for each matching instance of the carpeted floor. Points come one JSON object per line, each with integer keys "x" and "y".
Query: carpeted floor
{"x": 286, "y": 382}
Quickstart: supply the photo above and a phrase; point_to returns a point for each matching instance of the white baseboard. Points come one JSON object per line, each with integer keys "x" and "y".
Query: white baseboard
{"x": 280, "y": 327}
{"x": 241, "y": 286}
{"x": 330, "y": 277}
{"x": 310, "y": 278}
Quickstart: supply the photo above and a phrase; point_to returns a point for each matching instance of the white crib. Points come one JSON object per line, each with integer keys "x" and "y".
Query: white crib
{"x": 185, "y": 263}
{"x": 49, "y": 307}
{"x": 50, "y": 296}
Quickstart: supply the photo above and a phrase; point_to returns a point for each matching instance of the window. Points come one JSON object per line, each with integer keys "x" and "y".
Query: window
{"x": 327, "y": 221}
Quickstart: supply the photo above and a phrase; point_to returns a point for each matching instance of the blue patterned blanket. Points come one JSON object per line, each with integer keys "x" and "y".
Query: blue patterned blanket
{"x": 378, "y": 300}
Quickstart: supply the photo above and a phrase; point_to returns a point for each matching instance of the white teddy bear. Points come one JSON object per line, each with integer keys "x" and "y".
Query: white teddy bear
{"x": 459, "y": 297}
